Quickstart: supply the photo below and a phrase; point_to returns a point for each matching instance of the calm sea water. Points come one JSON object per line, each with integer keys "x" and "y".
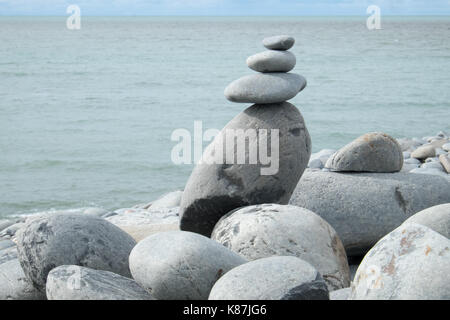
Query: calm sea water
{"x": 86, "y": 116}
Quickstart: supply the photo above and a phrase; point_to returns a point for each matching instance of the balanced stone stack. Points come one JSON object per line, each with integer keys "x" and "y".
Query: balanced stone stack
{"x": 217, "y": 187}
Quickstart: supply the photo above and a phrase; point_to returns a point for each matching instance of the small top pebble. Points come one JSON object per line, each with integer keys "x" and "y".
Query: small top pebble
{"x": 279, "y": 42}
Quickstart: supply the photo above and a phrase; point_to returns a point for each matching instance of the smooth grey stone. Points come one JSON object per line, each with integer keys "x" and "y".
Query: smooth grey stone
{"x": 409, "y": 144}
{"x": 406, "y": 155}
{"x": 169, "y": 200}
{"x": 315, "y": 164}
{"x": 278, "y": 42}
{"x": 323, "y": 155}
{"x": 53, "y": 240}
{"x": 215, "y": 189}
{"x": 372, "y": 152}
{"x": 432, "y": 159}
{"x": 436, "y": 218}
{"x": 363, "y": 207}
{"x": 412, "y": 161}
{"x": 272, "y": 61}
{"x": 95, "y": 211}
{"x": 410, "y": 263}
{"x": 281, "y": 230}
{"x": 440, "y": 151}
{"x": 341, "y": 294}
{"x": 273, "y": 278}
{"x": 264, "y": 88}
{"x": 433, "y": 165}
{"x": 424, "y": 152}
{"x": 80, "y": 283}
{"x": 178, "y": 265}
{"x": 445, "y": 162}
{"x": 446, "y": 147}
{"x": 4, "y": 244}
{"x": 14, "y": 285}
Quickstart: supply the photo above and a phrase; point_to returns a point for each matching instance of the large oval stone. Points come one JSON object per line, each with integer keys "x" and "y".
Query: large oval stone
{"x": 410, "y": 263}
{"x": 273, "y": 278}
{"x": 265, "y": 88}
{"x": 372, "y": 152}
{"x": 215, "y": 189}
{"x": 364, "y": 207}
{"x": 281, "y": 230}
{"x": 178, "y": 265}
{"x": 436, "y": 218}
{"x": 80, "y": 283}
{"x": 272, "y": 61}
{"x": 52, "y": 240}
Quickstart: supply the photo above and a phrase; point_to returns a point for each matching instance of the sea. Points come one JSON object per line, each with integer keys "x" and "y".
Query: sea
{"x": 87, "y": 116}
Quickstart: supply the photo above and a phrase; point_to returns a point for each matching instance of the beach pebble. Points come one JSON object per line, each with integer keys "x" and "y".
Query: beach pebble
{"x": 406, "y": 155}
{"x": 282, "y": 230}
{"x": 273, "y": 278}
{"x": 95, "y": 211}
{"x": 436, "y": 218}
{"x": 264, "y": 88}
{"x": 409, "y": 144}
{"x": 215, "y": 189}
{"x": 14, "y": 285}
{"x": 432, "y": 159}
{"x": 272, "y": 61}
{"x": 51, "y": 240}
{"x": 315, "y": 164}
{"x": 363, "y": 207}
{"x": 372, "y": 152}
{"x": 432, "y": 165}
{"x": 445, "y": 161}
{"x": 72, "y": 282}
{"x": 424, "y": 152}
{"x": 323, "y": 155}
{"x": 446, "y": 147}
{"x": 341, "y": 294}
{"x": 282, "y": 42}
{"x": 412, "y": 161}
{"x": 410, "y": 263}
{"x": 440, "y": 151}
{"x": 180, "y": 265}
{"x": 140, "y": 223}
{"x": 169, "y": 200}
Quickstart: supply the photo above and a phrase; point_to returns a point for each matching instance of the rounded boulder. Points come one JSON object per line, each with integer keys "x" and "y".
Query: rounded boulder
{"x": 53, "y": 240}
{"x": 282, "y": 230}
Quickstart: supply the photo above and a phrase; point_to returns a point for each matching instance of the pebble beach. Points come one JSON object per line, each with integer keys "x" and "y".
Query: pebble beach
{"x": 367, "y": 221}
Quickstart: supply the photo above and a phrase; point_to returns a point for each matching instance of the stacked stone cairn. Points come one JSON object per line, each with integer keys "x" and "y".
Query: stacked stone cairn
{"x": 213, "y": 190}
{"x": 252, "y": 234}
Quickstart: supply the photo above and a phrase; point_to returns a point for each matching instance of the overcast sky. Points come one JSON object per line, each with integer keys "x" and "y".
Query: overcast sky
{"x": 225, "y": 7}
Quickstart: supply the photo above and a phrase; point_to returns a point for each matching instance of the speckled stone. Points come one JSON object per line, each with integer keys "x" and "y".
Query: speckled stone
{"x": 53, "y": 240}
{"x": 273, "y": 278}
{"x": 80, "y": 283}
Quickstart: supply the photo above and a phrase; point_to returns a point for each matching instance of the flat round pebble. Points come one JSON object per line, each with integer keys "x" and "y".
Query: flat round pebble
{"x": 281, "y": 42}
